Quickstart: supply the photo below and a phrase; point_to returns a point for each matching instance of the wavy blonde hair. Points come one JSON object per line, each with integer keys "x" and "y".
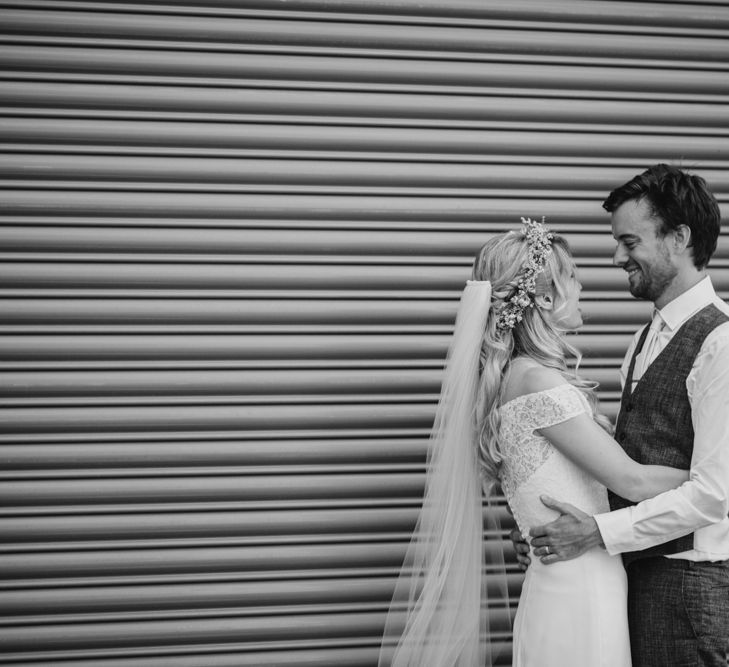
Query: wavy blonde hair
{"x": 501, "y": 261}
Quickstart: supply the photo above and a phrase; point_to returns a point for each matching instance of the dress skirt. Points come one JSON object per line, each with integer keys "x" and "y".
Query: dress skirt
{"x": 573, "y": 614}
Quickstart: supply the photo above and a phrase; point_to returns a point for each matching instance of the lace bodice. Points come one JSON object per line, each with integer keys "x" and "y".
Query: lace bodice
{"x": 532, "y": 466}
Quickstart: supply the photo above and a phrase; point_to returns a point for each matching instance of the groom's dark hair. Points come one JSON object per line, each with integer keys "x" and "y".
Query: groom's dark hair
{"x": 676, "y": 198}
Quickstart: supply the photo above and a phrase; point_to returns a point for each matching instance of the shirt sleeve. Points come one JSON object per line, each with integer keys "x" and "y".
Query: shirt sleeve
{"x": 704, "y": 499}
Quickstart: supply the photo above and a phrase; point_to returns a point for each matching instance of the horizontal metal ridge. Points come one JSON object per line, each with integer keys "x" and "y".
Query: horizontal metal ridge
{"x": 277, "y": 245}
{"x": 505, "y": 105}
{"x": 143, "y": 515}
{"x": 81, "y": 326}
{"x": 658, "y": 58}
{"x": 131, "y": 493}
{"x": 382, "y": 263}
{"x": 332, "y": 535}
{"x": 40, "y": 552}
{"x": 472, "y": 72}
{"x": 229, "y": 294}
{"x": 80, "y": 204}
{"x": 234, "y": 450}
{"x": 255, "y": 63}
{"x": 127, "y": 534}
{"x": 188, "y": 594}
{"x": 494, "y": 221}
{"x": 195, "y": 578}
{"x": 362, "y": 32}
{"x": 230, "y": 259}
{"x": 706, "y": 149}
{"x": 100, "y": 564}
{"x": 627, "y": 324}
{"x": 191, "y": 616}
{"x": 195, "y": 613}
{"x": 239, "y": 387}
{"x": 144, "y": 400}
{"x": 52, "y": 422}
{"x": 209, "y": 472}
{"x": 682, "y": 90}
{"x": 171, "y": 435}
{"x": 615, "y": 126}
{"x": 352, "y": 653}
{"x": 225, "y": 628}
{"x": 197, "y": 402}
{"x": 270, "y": 278}
{"x": 429, "y": 11}
{"x": 201, "y": 297}
{"x": 402, "y": 384}
{"x": 185, "y": 596}
{"x": 245, "y": 499}
{"x": 270, "y": 345}
{"x": 359, "y": 296}
{"x": 170, "y": 189}
{"x": 213, "y": 364}
{"x": 89, "y": 172}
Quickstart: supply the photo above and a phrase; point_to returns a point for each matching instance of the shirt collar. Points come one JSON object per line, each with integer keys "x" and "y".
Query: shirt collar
{"x": 676, "y": 312}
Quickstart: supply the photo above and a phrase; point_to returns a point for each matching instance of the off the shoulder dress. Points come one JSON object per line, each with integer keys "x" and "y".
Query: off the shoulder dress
{"x": 571, "y": 613}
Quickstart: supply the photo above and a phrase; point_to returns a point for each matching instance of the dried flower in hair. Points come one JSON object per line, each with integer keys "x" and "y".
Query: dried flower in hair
{"x": 539, "y": 244}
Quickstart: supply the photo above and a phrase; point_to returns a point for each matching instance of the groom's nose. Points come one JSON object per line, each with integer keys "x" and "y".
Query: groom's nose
{"x": 620, "y": 256}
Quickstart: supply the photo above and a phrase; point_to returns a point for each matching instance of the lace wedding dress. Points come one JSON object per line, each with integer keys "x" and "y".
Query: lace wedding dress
{"x": 571, "y": 613}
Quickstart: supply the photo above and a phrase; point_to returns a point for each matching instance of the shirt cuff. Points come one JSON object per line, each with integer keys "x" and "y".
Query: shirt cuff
{"x": 616, "y": 530}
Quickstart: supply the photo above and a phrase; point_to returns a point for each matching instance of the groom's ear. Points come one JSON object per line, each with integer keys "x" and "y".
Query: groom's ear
{"x": 682, "y": 238}
{"x": 544, "y": 301}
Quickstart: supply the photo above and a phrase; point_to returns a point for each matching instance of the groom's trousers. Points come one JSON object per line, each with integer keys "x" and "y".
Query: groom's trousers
{"x": 678, "y": 613}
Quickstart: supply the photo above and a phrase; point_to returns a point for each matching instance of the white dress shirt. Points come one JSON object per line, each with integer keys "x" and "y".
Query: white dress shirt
{"x": 699, "y": 505}
{"x": 659, "y": 333}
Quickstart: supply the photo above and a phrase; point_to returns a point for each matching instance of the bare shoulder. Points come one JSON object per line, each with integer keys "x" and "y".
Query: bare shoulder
{"x": 527, "y": 376}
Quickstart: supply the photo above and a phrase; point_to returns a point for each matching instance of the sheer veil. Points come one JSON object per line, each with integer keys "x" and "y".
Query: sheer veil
{"x": 435, "y": 615}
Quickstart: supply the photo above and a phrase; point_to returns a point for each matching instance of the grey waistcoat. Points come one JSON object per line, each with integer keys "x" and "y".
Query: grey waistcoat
{"x": 654, "y": 424}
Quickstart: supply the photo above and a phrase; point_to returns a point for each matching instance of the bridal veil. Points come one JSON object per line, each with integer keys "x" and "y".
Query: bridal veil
{"x": 435, "y": 618}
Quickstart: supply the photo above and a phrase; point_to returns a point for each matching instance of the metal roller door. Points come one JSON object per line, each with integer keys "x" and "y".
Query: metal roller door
{"x": 233, "y": 238}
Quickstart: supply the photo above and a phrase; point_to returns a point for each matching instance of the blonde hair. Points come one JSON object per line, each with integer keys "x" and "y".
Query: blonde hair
{"x": 501, "y": 261}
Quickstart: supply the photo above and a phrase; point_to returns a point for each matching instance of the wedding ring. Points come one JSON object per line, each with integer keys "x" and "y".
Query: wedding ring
{"x": 546, "y": 550}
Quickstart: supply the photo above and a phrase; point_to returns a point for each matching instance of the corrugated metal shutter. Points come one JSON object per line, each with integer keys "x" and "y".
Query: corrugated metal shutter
{"x": 233, "y": 239}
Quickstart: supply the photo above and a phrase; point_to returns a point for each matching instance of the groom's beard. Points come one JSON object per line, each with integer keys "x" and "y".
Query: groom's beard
{"x": 649, "y": 282}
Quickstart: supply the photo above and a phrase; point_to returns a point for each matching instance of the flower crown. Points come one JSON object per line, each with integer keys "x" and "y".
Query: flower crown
{"x": 539, "y": 243}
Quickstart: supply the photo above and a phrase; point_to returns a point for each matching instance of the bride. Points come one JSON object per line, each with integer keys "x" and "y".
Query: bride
{"x": 512, "y": 412}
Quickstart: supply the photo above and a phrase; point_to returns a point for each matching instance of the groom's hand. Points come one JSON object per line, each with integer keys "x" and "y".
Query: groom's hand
{"x": 521, "y": 549}
{"x": 567, "y": 537}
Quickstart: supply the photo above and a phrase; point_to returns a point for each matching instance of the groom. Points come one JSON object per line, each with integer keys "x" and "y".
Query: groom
{"x": 674, "y": 411}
